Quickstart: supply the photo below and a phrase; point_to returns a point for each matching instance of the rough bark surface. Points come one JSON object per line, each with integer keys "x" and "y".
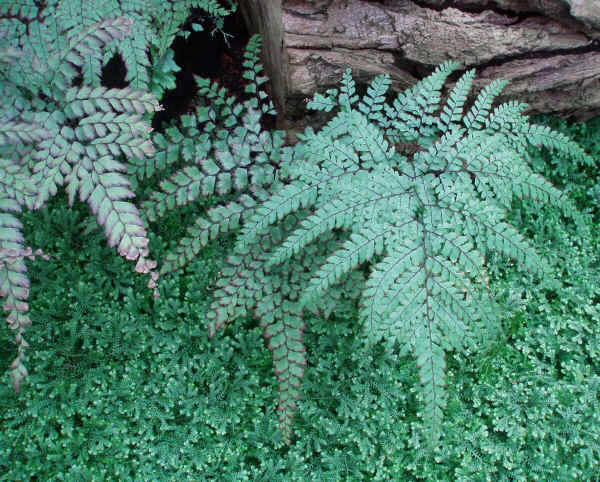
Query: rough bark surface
{"x": 549, "y": 50}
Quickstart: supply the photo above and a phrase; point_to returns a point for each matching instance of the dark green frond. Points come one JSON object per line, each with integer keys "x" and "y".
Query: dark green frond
{"x": 372, "y": 104}
{"x": 411, "y": 114}
{"x": 11, "y": 133}
{"x": 347, "y": 95}
{"x": 283, "y": 328}
{"x": 218, "y": 221}
{"x": 58, "y": 134}
{"x": 15, "y": 189}
{"x": 546, "y": 137}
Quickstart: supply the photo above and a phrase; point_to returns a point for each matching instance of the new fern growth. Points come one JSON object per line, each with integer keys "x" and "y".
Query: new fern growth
{"x": 419, "y": 225}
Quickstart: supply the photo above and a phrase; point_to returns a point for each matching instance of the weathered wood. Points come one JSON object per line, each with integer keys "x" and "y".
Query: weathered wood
{"x": 265, "y": 18}
{"x": 549, "y": 50}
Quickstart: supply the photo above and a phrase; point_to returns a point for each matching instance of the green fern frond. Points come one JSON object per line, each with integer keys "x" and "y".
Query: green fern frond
{"x": 172, "y": 145}
{"x": 347, "y": 95}
{"x": 546, "y": 137}
{"x": 360, "y": 247}
{"x": 90, "y": 100}
{"x": 322, "y": 102}
{"x": 56, "y": 134}
{"x": 411, "y": 114}
{"x": 221, "y": 220}
{"x": 372, "y": 104}
{"x": 11, "y": 133}
{"x": 181, "y": 188}
{"x": 252, "y": 69}
{"x": 481, "y": 107}
{"x": 133, "y": 51}
{"x": 34, "y": 26}
{"x": 82, "y": 46}
{"x": 507, "y": 117}
{"x": 15, "y": 189}
{"x": 229, "y": 153}
{"x": 243, "y": 286}
{"x": 452, "y": 111}
{"x": 423, "y": 223}
{"x": 287, "y": 200}
{"x": 283, "y": 328}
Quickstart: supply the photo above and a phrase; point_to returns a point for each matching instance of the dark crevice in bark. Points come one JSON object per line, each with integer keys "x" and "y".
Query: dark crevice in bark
{"x": 417, "y": 69}
{"x": 311, "y": 9}
{"x": 480, "y": 8}
{"x": 593, "y": 46}
{"x": 307, "y": 8}
{"x": 564, "y": 43}
{"x": 517, "y": 16}
{"x": 420, "y": 70}
{"x": 311, "y": 15}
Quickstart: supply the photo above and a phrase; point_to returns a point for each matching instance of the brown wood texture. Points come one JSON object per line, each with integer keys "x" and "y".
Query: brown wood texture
{"x": 549, "y": 50}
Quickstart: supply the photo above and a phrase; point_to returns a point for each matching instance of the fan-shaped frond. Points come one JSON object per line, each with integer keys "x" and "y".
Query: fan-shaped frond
{"x": 423, "y": 223}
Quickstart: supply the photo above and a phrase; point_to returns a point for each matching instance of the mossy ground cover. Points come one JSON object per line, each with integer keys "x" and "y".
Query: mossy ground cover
{"x": 124, "y": 387}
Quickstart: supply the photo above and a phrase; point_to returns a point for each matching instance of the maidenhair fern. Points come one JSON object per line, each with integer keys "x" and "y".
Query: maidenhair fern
{"x": 58, "y": 134}
{"x": 61, "y": 127}
{"x": 221, "y": 149}
{"x": 146, "y": 49}
{"x": 419, "y": 225}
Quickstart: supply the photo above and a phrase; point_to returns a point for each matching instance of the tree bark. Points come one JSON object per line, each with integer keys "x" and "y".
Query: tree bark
{"x": 549, "y": 50}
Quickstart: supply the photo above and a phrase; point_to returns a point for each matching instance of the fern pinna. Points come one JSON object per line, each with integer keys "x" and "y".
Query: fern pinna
{"x": 55, "y": 133}
{"x": 145, "y": 51}
{"x": 219, "y": 150}
{"x": 422, "y": 224}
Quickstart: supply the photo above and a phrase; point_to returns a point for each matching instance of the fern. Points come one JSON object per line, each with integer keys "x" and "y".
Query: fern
{"x": 221, "y": 150}
{"x": 56, "y": 134}
{"x": 145, "y": 50}
{"x": 422, "y": 225}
